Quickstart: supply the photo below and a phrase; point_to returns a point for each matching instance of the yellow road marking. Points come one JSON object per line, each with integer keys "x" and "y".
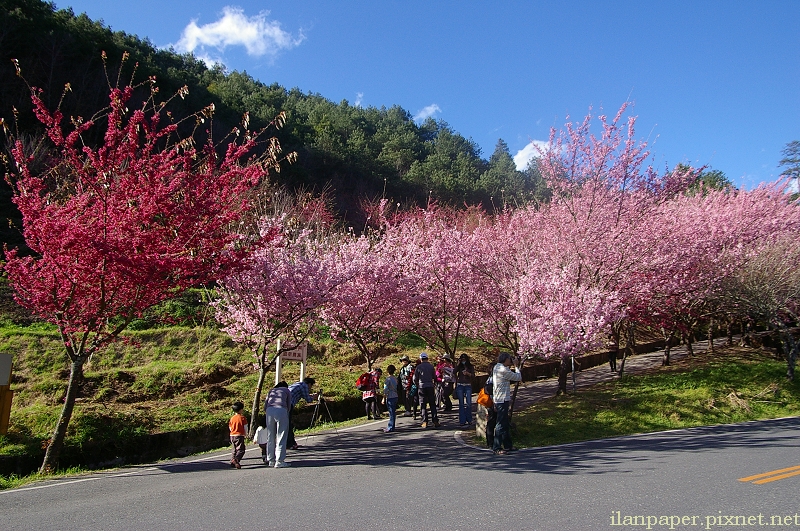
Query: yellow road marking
{"x": 775, "y": 478}
{"x": 774, "y": 475}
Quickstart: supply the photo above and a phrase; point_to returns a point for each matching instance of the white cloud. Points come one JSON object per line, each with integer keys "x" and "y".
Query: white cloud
{"x": 210, "y": 61}
{"x": 529, "y": 152}
{"x": 427, "y": 112}
{"x": 359, "y": 99}
{"x": 257, "y": 34}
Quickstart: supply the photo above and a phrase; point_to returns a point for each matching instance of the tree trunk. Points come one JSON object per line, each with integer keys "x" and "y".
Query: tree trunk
{"x": 687, "y": 338}
{"x": 56, "y": 443}
{"x": 668, "y": 338}
{"x": 711, "y": 335}
{"x": 563, "y": 370}
{"x": 730, "y": 332}
{"x": 745, "y": 341}
{"x": 262, "y": 375}
{"x": 514, "y": 394}
{"x": 790, "y": 348}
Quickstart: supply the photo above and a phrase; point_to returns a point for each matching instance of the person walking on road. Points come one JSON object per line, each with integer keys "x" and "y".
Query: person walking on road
{"x": 425, "y": 380}
{"x": 613, "y": 349}
{"x": 277, "y": 407}
{"x": 502, "y": 376}
{"x": 237, "y": 426}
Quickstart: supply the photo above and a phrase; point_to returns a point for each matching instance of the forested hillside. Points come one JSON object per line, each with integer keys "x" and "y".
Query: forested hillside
{"x": 357, "y": 154}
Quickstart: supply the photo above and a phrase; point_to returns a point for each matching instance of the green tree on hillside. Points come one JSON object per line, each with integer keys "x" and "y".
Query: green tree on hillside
{"x": 791, "y": 164}
{"x": 707, "y": 180}
{"x": 452, "y": 167}
{"x": 501, "y": 182}
{"x": 356, "y": 153}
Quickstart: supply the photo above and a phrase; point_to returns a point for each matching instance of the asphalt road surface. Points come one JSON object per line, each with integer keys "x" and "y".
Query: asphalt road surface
{"x": 724, "y": 477}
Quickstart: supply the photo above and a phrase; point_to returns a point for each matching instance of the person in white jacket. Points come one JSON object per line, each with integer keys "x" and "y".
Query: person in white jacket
{"x": 504, "y": 372}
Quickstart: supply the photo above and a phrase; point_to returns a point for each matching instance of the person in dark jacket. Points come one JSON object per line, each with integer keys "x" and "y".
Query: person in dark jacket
{"x": 425, "y": 380}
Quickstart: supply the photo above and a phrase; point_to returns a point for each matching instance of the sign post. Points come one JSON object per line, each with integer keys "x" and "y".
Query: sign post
{"x": 296, "y": 354}
{"x": 6, "y": 394}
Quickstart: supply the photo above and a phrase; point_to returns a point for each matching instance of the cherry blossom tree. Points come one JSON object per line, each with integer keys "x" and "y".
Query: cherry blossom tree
{"x": 574, "y": 254}
{"x": 437, "y": 244}
{"x": 492, "y": 251}
{"x": 766, "y": 288}
{"x": 276, "y": 295}
{"x": 370, "y": 305}
{"x": 702, "y": 239}
{"x": 118, "y": 227}
{"x": 706, "y": 239}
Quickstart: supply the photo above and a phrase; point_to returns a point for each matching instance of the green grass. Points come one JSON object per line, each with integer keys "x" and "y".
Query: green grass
{"x": 13, "y": 481}
{"x": 734, "y": 386}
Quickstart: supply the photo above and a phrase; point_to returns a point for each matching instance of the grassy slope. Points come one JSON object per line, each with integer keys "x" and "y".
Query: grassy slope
{"x": 155, "y": 381}
{"x": 734, "y": 384}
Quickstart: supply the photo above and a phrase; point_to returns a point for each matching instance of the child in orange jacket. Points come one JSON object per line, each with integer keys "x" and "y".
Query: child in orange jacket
{"x": 238, "y": 429}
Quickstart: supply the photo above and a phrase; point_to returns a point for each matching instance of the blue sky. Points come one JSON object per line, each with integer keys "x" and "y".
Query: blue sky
{"x": 713, "y": 83}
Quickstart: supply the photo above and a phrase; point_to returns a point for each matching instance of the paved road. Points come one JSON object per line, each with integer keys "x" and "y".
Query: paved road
{"x": 416, "y": 480}
{"x": 420, "y": 480}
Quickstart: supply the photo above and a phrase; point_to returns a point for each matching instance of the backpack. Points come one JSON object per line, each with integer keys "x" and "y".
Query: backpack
{"x": 412, "y": 387}
{"x": 448, "y": 375}
{"x": 488, "y": 387}
{"x": 363, "y": 382}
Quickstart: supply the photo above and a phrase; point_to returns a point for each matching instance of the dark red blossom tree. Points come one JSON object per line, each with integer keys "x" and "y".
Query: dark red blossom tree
{"x": 120, "y": 227}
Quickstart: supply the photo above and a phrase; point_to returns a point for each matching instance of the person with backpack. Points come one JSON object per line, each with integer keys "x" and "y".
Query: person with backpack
{"x": 276, "y": 407}
{"x": 298, "y": 391}
{"x": 502, "y": 376}
{"x": 491, "y": 416}
{"x": 369, "y": 393}
{"x": 406, "y": 377}
{"x": 425, "y": 380}
{"x": 445, "y": 380}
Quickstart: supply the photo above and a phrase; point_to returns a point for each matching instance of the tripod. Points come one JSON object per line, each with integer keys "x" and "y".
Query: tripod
{"x": 317, "y": 415}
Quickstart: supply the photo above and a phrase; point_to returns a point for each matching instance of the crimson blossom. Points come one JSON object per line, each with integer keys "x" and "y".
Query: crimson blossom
{"x": 117, "y": 228}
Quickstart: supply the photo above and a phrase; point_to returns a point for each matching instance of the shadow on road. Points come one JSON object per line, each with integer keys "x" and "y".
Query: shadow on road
{"x": 414, "y": 447}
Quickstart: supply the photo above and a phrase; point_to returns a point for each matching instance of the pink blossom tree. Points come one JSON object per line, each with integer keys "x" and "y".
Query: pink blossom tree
{"x": 276, "y": 296}
{"x": 492, "y": 252}
{"x": 370, "y": 304}
{"x": 118, "y": 227}
{"x": 766, "y": 288}
{"x": 704, "y": 240}
{"x": 574, "y": 254}
{"x": 438, "y": 263}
